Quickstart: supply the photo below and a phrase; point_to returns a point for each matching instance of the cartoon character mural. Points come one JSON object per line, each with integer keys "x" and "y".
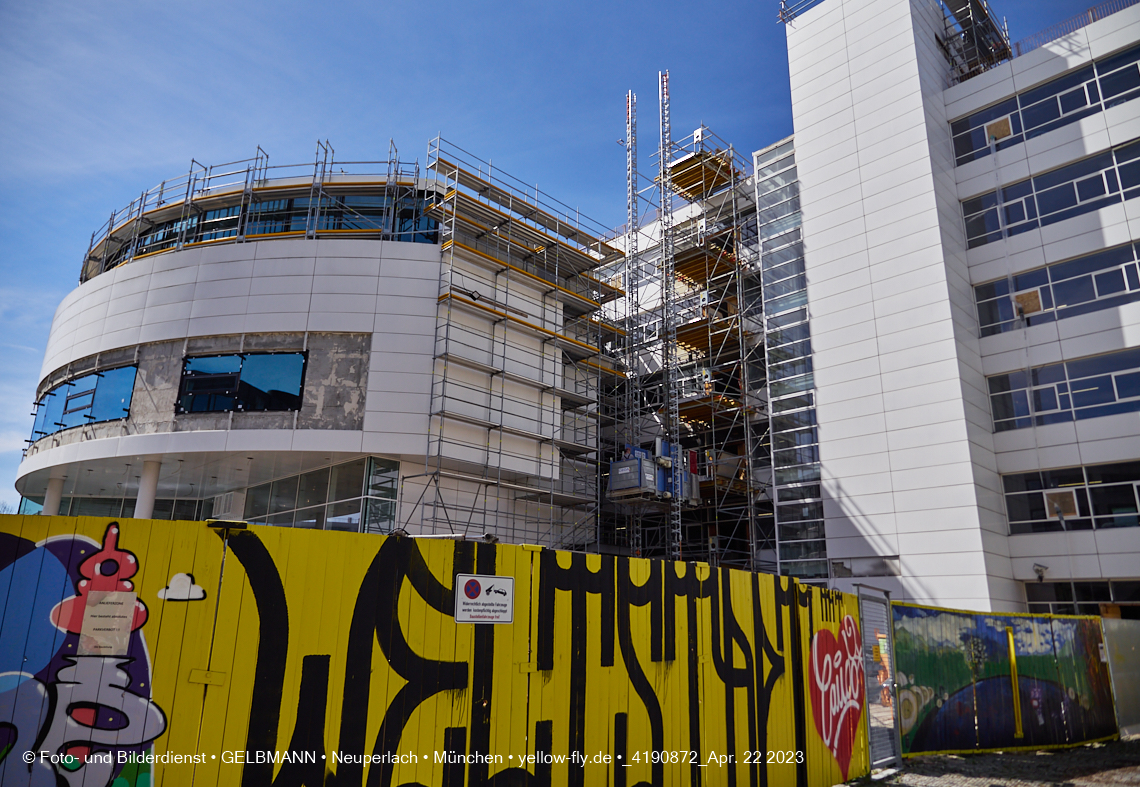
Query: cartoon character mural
{"x": 74, "y": 671}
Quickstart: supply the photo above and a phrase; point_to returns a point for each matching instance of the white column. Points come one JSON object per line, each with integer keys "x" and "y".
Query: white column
{"x": 148, "y": 489}
{"x": 52, "y": 496}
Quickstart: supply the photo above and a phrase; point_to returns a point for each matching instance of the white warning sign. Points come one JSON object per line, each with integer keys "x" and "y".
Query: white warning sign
{"x": 484, "y": 598}
{"x": 107, "y": 623}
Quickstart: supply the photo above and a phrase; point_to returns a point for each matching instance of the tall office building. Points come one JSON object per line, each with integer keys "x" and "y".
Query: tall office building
{"x": 971, "y": 279}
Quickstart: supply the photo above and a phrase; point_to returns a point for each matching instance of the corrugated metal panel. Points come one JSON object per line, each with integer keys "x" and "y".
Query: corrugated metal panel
{"x": 879, "y": 671}
{"x": 1122, "y": 648}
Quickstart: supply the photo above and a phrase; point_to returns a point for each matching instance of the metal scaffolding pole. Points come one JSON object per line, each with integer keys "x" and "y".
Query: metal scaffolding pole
{"x": 669, "y": 323}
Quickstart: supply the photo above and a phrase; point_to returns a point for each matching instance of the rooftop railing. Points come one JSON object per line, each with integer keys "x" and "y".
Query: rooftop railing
{"x": 1040, "y": 39}
{"x": 790, "y": 9}
{"x": 236, "y": 177}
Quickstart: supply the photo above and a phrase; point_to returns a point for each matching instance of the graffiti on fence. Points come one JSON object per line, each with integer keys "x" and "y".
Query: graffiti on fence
{"x": 959, "y": 689}
{"x": 75, "y": 678}
{"x": 837, "y": 690}
{"x": 341, "y": 651}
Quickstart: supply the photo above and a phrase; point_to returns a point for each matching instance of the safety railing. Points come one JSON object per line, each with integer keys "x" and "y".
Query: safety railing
{"x": 107, "y": 249}
{"x": 1040, "y": 39}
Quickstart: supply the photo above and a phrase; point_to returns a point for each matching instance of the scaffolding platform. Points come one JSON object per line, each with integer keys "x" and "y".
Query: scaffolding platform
{"x": 525, "y": 208}
{"x": 716, "y": 336}
{"x": 705, "y": 408}
{"x": 700, "y": 264}
{"x": 698, "y": 174}
{"x": 533, "y": 243}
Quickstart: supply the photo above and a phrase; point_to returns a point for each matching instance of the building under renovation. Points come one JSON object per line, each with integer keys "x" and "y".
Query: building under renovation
{"x": 896, "y": 348}
{"x": 343, "y": 345}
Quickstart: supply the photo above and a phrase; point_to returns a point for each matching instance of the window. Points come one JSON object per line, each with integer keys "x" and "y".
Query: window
{"x": 802, "y": 547}
{"x": 251, "y": 381}
{"x": 1078, "y": 598}
{"x": 356, "y": 212}
{"x": 877, "y": 566}
{"x": 220, "y": 223}
{"x": 355, "y": 496}
{"x": 1072, "y": 390}
{"x": 1110, "y": 81}
{"x": 1090, "y": 283}
{"x": 1072, "y": 190}
{"x": 91, "y": 398}
{"x": 1074, "y": 498}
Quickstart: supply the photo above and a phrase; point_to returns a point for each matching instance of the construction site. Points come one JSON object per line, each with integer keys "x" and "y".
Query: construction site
{"x": 580, "y": 386}
{"x": 606, "y": 390}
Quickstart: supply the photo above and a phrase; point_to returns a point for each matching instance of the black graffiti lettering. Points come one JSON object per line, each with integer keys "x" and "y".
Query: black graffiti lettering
{"x": 800, "y": 601}
{"x": 454, "y": 739}
{"x": 630, "y": 595}
{"x": 309, "y": 731}
{"x": 357, "y": 675}
{"x": 482, "y": 669}
{"x": 774, "y": 655}
{"x": 272, "y": 651}
{"x": 399, "y": 566}
{"x": 397, "y": 558}
{"x": 620, "y": 753}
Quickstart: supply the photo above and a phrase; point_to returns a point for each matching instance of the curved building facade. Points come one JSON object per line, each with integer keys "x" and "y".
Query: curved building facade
{"x": 343, "y": 351}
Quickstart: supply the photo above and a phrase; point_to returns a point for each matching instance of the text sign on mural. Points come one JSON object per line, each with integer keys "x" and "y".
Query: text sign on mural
{"x": 484, "y": 598}
{"x": 107, "y": 623}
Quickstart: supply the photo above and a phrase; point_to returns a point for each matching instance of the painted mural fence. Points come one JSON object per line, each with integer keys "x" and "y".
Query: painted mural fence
{"x": 141, "y": 652}
{"x": 970, "y": 681}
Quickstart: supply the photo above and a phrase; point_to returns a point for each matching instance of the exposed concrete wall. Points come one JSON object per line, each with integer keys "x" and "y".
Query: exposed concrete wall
{"x": 336, "y": 379}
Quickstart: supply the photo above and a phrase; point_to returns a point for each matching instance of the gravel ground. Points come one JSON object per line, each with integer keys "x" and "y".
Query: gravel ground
{"x": 1116, "y": 762}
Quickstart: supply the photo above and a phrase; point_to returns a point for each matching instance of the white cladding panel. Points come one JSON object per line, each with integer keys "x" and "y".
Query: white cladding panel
{"x": 898, "y": 378}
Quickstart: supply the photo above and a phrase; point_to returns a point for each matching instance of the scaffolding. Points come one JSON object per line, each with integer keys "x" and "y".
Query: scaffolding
{"x": 695, "y": 402}
{"x": 521, "y": 359}
{"x": 251, "y": 199}
{"x": 974, "y": 41}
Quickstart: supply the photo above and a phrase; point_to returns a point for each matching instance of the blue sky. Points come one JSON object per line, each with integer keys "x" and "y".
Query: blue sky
{"x": 101, "y": 100}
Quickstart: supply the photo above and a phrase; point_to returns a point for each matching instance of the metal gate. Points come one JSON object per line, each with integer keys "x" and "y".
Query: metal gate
{"x": 879, "y": 667}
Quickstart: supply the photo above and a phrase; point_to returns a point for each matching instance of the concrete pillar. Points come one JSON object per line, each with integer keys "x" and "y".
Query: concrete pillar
{"x": 148, "y": 489}
{"x": 52, "y": 496}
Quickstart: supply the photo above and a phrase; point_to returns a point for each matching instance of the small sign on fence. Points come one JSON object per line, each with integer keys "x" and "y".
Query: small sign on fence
{"x": 484, "y": 598}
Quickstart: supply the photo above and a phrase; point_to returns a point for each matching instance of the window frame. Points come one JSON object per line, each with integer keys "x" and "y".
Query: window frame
{"x": 83, "y": 414}
{"x": 237, "y": 403}
{"x": 969, "y": 145}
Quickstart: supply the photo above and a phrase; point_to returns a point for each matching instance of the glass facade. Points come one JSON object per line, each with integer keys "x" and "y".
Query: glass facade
{"x": 1073, "y": 498}
{"x": 244, "y": 382}
{"x": 795, "y": 441}
{"x": 1103, "y": 280}
{"x": 1068, "y": 391}
{"x": 164, "y": 508}
{"x": 357, "y": 496}
{"x": 365, "y": 213}
{"x": 1092, "y": 183}
{"x": 1081, "y": 598}
{"x": 1092, "y": 89}
{"x": 88, "y": 399}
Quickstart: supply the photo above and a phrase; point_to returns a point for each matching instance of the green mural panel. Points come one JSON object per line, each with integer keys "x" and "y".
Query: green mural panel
{"x": 957, "y": 690}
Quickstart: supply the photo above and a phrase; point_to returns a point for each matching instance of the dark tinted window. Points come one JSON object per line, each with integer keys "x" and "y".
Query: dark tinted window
{"x": 253, "y": 381}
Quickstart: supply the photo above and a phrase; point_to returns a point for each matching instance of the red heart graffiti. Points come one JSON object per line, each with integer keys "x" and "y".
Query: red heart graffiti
{"x": 837, "y": 695}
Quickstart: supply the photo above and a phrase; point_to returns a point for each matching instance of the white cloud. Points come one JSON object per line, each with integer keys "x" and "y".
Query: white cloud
{"x": 182, "y": 588}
